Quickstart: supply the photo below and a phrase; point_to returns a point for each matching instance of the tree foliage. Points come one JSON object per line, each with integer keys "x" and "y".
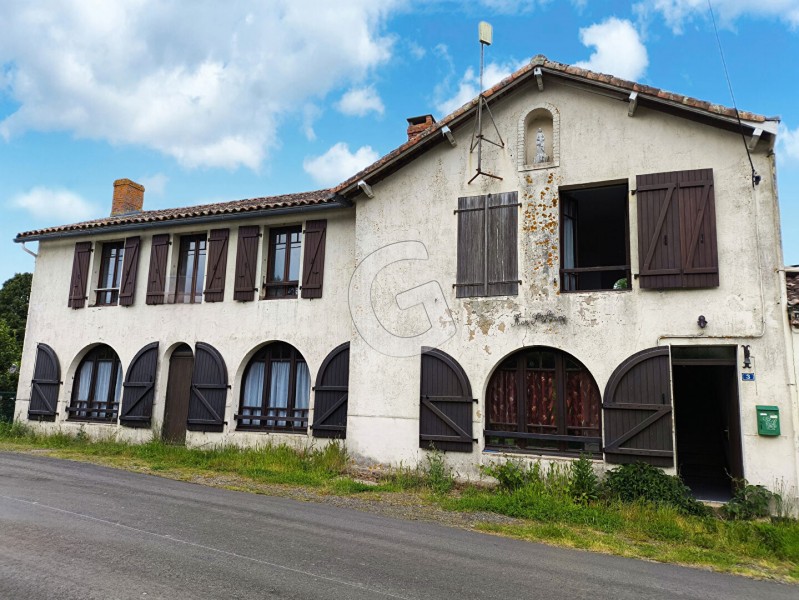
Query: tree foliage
{"x": 10, "y": 354}
{"x": 14, "y": 297}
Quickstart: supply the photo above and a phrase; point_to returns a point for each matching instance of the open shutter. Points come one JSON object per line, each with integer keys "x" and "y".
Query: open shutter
{"x": 677, "y": 230}
{"x": 156, "y": 280}
{"x": 502, "y": 251}
{"x": 217, "y": 265}
{"x": 471, "y": 275}
{"x": 139, "y": 388}
{"x": 700, "y": 263}
{"x": 637, "y": 410}
{"x": 127, "y": 287}
{"x": 80, "y": 275}
{"x": 208, "y": 390}
{"x": 246, "y": 259}
{"x": 445, "y": 417}
{"x": 331, "y": 393}
{"x": 45, "y": 385}
{"x": 313, "y": 266}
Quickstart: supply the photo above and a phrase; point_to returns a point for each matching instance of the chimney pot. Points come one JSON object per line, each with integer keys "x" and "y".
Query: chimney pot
{"x": 128, "y": 197}
{"x": 418, "y": 125}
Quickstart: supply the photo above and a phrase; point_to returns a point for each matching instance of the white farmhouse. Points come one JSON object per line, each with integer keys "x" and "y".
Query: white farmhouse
{"x": 577, "y": 265}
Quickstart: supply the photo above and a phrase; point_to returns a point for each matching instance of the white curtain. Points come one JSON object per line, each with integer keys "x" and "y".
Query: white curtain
{"x": 302, "y": 391}
{"x": 84, "y": 381}
{"x": 279, "y": 390}
{"x": 253, "y": 392}
{"x": 102, "y": 384}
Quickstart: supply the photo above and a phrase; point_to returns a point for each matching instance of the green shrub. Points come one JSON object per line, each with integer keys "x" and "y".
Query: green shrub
{"x": 640, "y": 482}
{"x": 513, "y": 475}
{"x": 439, "y": 475}
{"x": 583, "y": 483}
{"x": 749, "y": 502}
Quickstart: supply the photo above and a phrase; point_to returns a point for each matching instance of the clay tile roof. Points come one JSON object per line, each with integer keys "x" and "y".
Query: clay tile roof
{"x": 174, "y": 214}
{"x": 553, "y": 67}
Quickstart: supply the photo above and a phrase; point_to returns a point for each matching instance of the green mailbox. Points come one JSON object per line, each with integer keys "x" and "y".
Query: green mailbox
{"x": 768, "y": 420}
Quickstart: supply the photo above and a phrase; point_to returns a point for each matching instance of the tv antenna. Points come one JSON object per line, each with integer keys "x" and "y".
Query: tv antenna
{"x": 485, "y": 34}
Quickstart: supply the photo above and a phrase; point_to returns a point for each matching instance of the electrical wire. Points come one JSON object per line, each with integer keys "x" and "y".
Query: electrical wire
{"x": 755, "y": 176}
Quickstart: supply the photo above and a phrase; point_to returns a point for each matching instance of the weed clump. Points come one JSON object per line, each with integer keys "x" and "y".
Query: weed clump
{"x": 749, "y": 502}
{"x": 640, "y": 482}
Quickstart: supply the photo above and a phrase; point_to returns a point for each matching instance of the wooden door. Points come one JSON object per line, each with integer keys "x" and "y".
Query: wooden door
{"x": 178, "y": 389}
{"x": 331, "y": 393}
{"x": 446, "y": 404}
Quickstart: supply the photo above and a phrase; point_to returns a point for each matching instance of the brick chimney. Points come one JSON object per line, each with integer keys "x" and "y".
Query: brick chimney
{"x": 418, "y": 125}
{"x": 128, "y": 197}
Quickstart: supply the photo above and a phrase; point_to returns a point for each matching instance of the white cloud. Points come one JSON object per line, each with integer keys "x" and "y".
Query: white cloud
{"x": 207, "y": 85}
{"x": 357, "y": 102}
{"x": 788, "y": 143}
{"x": 678, "y": 13}
{"x": 310, "y": 113}
{"x": 618, "y": 49}
{"x": 154, "y": 184}
{"x": 417, "y": 51}
{"x": 54, "y": 205}
{"x": 469, "y": 85}
{"x": 338, "y": 163}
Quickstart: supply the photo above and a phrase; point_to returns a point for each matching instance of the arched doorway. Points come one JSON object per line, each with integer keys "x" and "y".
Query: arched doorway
{"x": 178, "y": 390}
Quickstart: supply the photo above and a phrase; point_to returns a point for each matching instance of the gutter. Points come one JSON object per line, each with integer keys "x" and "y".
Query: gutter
{"x": 249, "y": 214}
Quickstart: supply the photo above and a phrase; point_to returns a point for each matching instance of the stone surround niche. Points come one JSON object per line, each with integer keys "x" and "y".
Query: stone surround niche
{"x": 546, "y": 118}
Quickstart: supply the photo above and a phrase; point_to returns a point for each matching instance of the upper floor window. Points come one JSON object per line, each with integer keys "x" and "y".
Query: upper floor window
{"x": 98, "y": 383}
{"x": 283, "y": 270}
{"x": 595, "y": 239}
{"x": 191, "y": 269}
{"x": 110, "y": 274}
{"x": 487, "y": 246}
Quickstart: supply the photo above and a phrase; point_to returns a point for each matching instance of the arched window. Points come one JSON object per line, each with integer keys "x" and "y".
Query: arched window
{"x": 97, "y": 386}
{"x": 544, "y": 400}
{"x": 276, "y": 389}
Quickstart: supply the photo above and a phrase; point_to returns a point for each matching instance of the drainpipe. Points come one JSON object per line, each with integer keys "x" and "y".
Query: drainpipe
{"x": 29, "y": 251}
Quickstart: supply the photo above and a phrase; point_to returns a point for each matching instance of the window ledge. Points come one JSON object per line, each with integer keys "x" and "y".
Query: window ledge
{"x": 537, "y": 167}
{"x": 505, "y": 453}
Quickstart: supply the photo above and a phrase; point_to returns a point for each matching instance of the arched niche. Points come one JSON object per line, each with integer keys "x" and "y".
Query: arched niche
{"x": 545, "y": 118}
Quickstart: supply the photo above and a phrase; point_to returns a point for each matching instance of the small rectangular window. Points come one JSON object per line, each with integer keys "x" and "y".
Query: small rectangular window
{"x": 595, "y": 239}
{"x": 191, "y": 270}
{"x": 110, "y": 274}
{"x": 283, "y": 271}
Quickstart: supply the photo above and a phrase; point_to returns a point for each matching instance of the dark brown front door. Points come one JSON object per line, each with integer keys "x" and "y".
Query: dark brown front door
{"x": 178, "y": 389}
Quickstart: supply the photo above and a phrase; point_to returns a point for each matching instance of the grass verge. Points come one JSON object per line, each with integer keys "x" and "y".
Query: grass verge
{"x": 542, "y": 513}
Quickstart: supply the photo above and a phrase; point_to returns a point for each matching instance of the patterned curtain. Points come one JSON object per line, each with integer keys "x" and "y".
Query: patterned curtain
{"x": 541, "y": 394}
{"x": 583, "y": 404}
{"x": 502, "y": 401}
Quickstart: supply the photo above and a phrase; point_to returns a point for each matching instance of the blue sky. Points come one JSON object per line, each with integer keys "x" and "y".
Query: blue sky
{"x": 206, "y": 101}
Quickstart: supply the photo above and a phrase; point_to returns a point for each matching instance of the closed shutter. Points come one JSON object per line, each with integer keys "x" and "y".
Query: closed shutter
{"x": 217, "y": 265}
{"x": 487, "y": 245}
{"x": 208, "y": 390}
{"x": 80, "y": 275}
{"x": 677, "y": 230}
{"x": 139, "y": 388}
{"x": 45, "y": 384}
{"x": 313, "y": 266}
{"x": 331, "y": 393}
{"x": 127, "y": 287}
{"x": 446, "y": 403}
{"x": 637, "y": 410}
{"x": 156, "y": 280}
{"x": 246, "y": 259}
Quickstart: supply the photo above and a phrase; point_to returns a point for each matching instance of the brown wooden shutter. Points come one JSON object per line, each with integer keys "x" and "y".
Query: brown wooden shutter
{"x": 156, "y": 279}
{"x": 313, "y": 266}
{"x": 471, "y": 275}
{"x": 246, "y": 259}
{"x": 677, "y": 230}
{"x": 217, "y": 265}
{"x": 331, "y": 393}
{"x": 446, "y": 403}
{"x": 637, "y": 410}
{"x": 80, "y": 275}
{"x": 502, "y": 248}
{"x": 139, "y": 388}
{"x": 208, "y": 390}
{"x": 45, "y": 385}
{"x": 127, "y": 287}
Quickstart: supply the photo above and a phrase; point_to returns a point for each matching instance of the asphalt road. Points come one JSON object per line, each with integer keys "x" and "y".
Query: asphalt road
{"x": 70, "y": 530}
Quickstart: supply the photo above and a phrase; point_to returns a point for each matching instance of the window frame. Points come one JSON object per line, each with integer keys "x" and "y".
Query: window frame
{"x": 269, "y": 422}
{"x": 109, "y": 407}
{"x": 524, "y": 441}
{"x": 109, "y": 296}
{"x": 576, "y": 271}
{"x": 180, "y": 296}
{"x": 286, "y": 288}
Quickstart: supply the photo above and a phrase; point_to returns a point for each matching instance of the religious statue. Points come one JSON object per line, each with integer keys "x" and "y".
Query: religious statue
{"x": 540, "y": 155}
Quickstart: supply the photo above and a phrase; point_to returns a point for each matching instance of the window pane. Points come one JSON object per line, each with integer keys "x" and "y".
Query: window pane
{"x": 253, "y": 393}
{"x": 84, "y": 381}
{"x": 541, "y": 396}
{"x": 294, "y": 261}
{"x": 279, "y": 390}
{"x": 200, "y": 274}
{"x": 502, "y": 401}
{"x": 120, "y": 257}
{"x": 303, "y": 387}
{"x": 102, "y": 384}
{"x": 280, "y": 262}
{"x": 583, "y": 404}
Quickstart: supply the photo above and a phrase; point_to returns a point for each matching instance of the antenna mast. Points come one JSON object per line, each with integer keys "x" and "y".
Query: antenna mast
{"x": 485, "y": 34}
